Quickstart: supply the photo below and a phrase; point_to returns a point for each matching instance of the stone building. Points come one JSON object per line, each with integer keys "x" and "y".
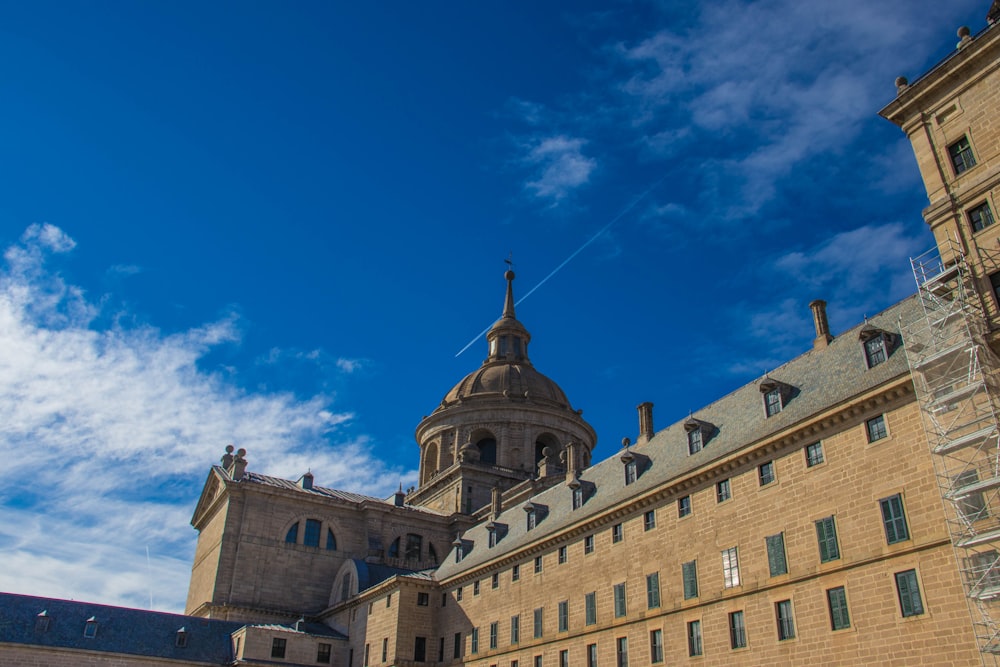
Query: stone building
{"x": 841, "y": 510}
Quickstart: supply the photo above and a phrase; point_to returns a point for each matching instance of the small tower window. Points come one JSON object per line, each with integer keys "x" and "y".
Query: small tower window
{"x": 90, "y": 628}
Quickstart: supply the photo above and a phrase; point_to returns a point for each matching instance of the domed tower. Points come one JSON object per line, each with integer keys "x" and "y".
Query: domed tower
{"x": 500, "y": 425}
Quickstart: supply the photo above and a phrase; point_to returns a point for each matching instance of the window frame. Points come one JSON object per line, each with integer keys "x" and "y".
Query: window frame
{"x": 876, "y": 349}
{"x": 876, "y": 428}
{"x": 538, "y": 621}
{"x": 617, "y": 533}
{"x": 515, "y": 629}
{"x": 563, "y": 555}
{"x": 723, "y": 490}
{"x": 563, "y": 616}
{"x": 649, "y": 520}
{"x": 656, "y": 645}
{"x": 731, "y": 567}
{"x": 814, "y": 454}
{"x": 689, "y": 579}
{"x": 894, "y": 519}
{"x": 696, "y": 441}
{"x": 979, "y": 225}
{"x": 826, "y": 537}
{"x": 621, "y": 651}
{"x": 590, "y": 608}
{"x": 278, "y": 647}
{"x": 737, "y": 630}
{"x": 695, "y": 647}
{"x": 653, "y": 590}
{"x": 775, "y": 546}
{"x": 588, "y": 545}
{"x": 494, "y": 634}
{"x": 785, "y": 619}
{"x": 910, "y": 600}
{"x": 961, "y": 156}
{"x": 773, "y": 402}
{"x": 836, "y": 603}
{"x": 621, "y": 604}
{"x": 767, "y": 474}
{"x": 683, "y": 507}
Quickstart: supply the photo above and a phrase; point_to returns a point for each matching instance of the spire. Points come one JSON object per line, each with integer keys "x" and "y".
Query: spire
{"x": 508, "y": 302}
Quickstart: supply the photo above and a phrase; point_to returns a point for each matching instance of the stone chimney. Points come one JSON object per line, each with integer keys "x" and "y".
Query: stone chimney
{"x": 823, "y": 336}
{"x": 239, "y": 465}
{"x": 645, "y": 422}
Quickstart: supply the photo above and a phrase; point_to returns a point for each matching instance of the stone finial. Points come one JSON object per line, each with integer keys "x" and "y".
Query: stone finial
{"x": 964, "y": 37}
{"x": 239, "y": 465}
{"x": 822, "y": 325}
{"x": 227, "y": 458}
{"x": 902, "y": 83}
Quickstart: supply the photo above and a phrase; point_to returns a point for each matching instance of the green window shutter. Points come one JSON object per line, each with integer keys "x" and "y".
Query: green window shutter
{"x": 839, "y": 616}
{"x": 826, "y": 534}
{"x": 894, "y": 519}
{"x": 776, "y": 554}
{"x": 689, "y": 572}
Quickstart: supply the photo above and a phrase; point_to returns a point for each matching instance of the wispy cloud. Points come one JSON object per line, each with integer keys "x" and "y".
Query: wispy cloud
{"x": 559, "y": 166}
{"x": 107, "y": 434}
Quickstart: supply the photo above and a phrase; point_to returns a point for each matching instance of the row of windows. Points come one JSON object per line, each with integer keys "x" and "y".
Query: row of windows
{"x": 962, "y": 159}
{"x": 907, "y": 593}
{"x": 311, "y": 534}
{"x": 323, "y": 651}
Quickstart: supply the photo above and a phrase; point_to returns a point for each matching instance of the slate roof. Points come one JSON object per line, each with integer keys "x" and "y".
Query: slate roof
{"x": 347, "y": 496}
{"x": 119, "y": 629}
{"x": 819, "y": 378}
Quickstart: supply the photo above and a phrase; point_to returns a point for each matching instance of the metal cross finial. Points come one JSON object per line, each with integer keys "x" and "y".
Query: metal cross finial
{"x": 510, "y": 261}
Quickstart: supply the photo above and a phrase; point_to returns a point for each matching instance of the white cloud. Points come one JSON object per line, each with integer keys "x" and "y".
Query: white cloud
{"x": 108, "y": 433}
{"x": 560, "y": 166}
{"x": 349, "y": 365}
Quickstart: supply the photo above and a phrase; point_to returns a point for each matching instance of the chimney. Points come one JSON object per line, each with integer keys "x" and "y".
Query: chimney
{"x": 239, "y": 465}
{"x": 645, "y": 422}
{"x": 823, "y": 336}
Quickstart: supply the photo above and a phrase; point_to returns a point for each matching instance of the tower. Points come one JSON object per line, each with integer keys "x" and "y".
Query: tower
{"x": 502, "y": 425}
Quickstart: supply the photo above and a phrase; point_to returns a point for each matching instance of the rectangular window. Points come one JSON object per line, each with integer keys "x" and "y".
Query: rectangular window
{"x": 983, "y": 573}
{"x": 737, "y": 630}
{"x": 532, "y": 521}
{"x": 495, "y": 580}
{"x": 961, "y": 155}
{"x": 631, "y": 472}
{"x": 515, "y": 629}
{"x": 440, "y": 652}
{"x": 368, "y": 652}
{"x": 423, "y": 599}
{"x": 591, "y": 655}
{"x": 621, "y": 645}
{"x": 562, "y": 555}
{"x": 475, "y": 588}
{"x": 894, "y": 519}
{"x": 278, "y": 647}
{"x": 494, "y": 634}
{"x": 323, "y": 653}
{"x": 419, "y": 649}
{"x": 538, "y": 623}
{"x": 689, "y": 574}
{"x": 765, "y": 473}
{"x": 564, "y": 616}
{"x": 684, "y": 506}
{"x": 538, "y": 661}
{"x": 772, "y": 402}
{"x": 590, "y": 605}
{"x": 980, "y": 217}
{"x": 786, "y": 625}
{"x": 388, "y": 600}
{"x": 731, "y": 568}
{"x": 723, "y": 491}
{"x": 910, "y": 603}
{"x": 617, "y": 533}
{"x": 826, "y": 534}
{"x": 491, "y": 538}
{"x": 578, "y": 497}
{"x": 814, "y": 454}
{"x": 588, "y": 544}
{"x": 836, "y": 599}
{"x": 312, "y": 533}
{"x": 649, "y": 520}
{"x": 564, "y": 658}
{"x": 656, "y": 646}
{"x": 473, "y": 643}
{"x": 694, "y": 638}
{"x": 972, "y": 505}
{"x": 538, "y": 564}
{"x": 875, "y": 352}
{"x": 515, "y": 573}
{"x": 776, "y": 562}
{"x": 458, "y": 595}
{"x": 444, "y": 600}
{"x": 876, "y": 428}
{"x": 695, "y": 441}
{"x": 458, "y": 646}
{"x": 619, "y": 600}
{"x": 385, "y": 649}
{"x": 653, "y": 591}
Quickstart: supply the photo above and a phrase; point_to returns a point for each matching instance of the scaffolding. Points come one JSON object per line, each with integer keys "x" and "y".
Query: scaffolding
{"x": 954, "y": 375}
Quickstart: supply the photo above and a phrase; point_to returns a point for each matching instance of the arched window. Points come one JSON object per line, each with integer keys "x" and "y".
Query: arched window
{"x": 414, "y": 545}
{"x": 293, "y": 533}
{"x": 394, "y": 549}
{"x": 331, "y": 541}
{"x": 487, "y": 450}
{"x": 312, "y": 533}
{"x": 345, "y": 587}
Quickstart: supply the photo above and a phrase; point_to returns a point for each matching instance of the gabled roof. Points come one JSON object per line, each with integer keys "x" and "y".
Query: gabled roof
{"x": 822, "y": 378}
{"x": 119, "y": 629}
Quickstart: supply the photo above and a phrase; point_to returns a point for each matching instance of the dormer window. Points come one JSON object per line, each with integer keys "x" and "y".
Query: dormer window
{"x": 181, "y": 638}
{"x": 90, "y": 629}
{"x": 698, "y": 433}
{"x": 877, "y": 345}
{"x": 775, "y": 394}
{"x": 459, "y": 547}
{"x": 492, "y": 542}
{"x": 495, "y": 533}
{"x": 578, "y": 497}
{"x": 532, "y": 516}
{"x": 42, "y": 622}
{"x": 631, "y": 468}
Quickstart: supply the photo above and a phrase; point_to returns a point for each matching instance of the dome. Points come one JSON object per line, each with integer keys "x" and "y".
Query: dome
{"x": 512, "y": 380}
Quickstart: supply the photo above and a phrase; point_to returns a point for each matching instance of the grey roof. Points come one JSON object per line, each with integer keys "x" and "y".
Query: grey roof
{"x": 119, "y": 629}
{"x": 268, "y": 480}
{"x": 371, "y": 574}
{"x": 819, "y": 379}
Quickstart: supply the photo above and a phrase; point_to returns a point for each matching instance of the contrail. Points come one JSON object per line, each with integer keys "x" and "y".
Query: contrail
{"x": 574, "y": 254}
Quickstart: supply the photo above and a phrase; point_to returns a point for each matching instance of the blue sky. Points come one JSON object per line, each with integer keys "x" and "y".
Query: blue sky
{"x": 275, "y": 225}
